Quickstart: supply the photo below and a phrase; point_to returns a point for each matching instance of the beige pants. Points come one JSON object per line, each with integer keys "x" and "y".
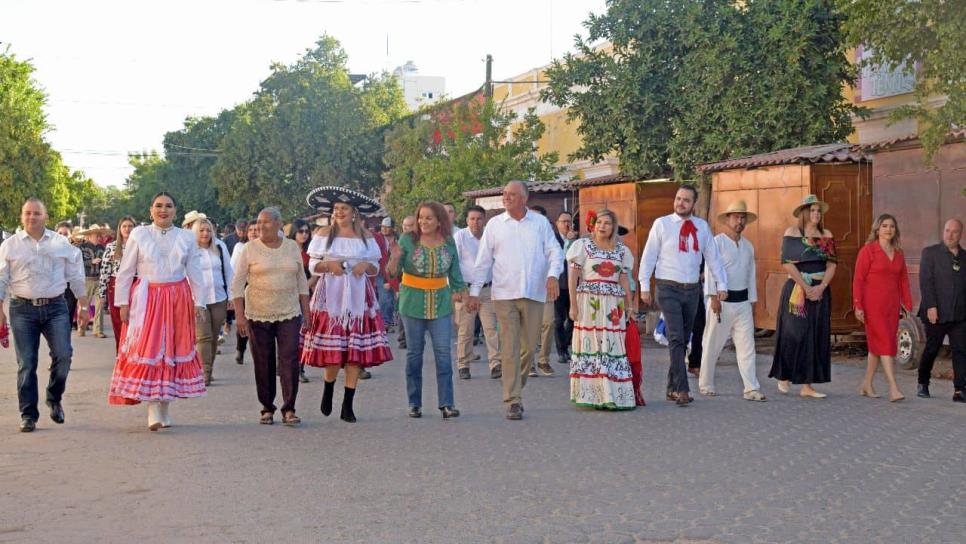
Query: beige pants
{"x": 91, "y": 286}
{"x": 466, "y": 323}
{"x": 519, "y": 321}
{"x": 207, "y": 327}
{"x": 546, "y": 333}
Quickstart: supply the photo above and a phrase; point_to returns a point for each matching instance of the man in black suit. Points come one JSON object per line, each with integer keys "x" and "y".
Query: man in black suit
{"x": 942, "y": 283}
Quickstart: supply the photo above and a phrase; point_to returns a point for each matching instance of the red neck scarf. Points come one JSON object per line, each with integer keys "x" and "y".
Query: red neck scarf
{"x": 688, "y": 229}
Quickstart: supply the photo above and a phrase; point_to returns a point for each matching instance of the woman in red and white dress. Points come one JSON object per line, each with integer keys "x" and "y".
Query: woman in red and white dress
{"x": 345, "y": 328}
{"x": 157, "y": 361}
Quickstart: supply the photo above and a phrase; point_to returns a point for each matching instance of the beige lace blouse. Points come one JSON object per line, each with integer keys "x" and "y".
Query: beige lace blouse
{"x": 275, "y": 279}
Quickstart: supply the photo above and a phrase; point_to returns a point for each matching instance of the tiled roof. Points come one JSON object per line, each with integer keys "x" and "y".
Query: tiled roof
{"x": 951, "y": 136}
{"x": 826, "y": 153}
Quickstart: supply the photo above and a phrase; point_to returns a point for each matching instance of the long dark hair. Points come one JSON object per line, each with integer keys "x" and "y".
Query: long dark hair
{"x": 357, "y": 228}
{"x": 802, "y": 221}
{"x": 445, "y": 228}
{"x": 159, "y": 194}
{"x": 294, "y": 230}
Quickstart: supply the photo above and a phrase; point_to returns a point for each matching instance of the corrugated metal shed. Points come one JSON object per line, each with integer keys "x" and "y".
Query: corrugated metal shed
{"x": 825, "y": 153}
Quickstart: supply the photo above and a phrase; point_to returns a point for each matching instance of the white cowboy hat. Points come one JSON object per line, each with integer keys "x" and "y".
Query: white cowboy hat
{"x": 807, "y": 202}
{"x": 191, "y": 217}
{"x": 738, "y": 206}
{"x": 94, "y": 229}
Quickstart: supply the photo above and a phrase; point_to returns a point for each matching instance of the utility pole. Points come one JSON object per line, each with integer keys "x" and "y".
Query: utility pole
{"x": 488, "y": 86}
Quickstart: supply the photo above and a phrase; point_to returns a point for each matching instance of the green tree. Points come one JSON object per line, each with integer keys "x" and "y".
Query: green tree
{"x": 928, "y": 37}
{"x": 306, "y": 126}
{"x": 691, "y": 81}
{"x": 442, "y": 152}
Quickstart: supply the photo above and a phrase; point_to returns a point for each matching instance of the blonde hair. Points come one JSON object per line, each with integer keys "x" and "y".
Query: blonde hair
{"x": 874, "y": 235}
{"x": 196, "y": 228}
{"x": 613, "y": 219}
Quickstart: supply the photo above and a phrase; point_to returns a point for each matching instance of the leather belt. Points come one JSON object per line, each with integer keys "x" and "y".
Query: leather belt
{"x": 39, "y": 301}
{"x": 737, "y": 296}
{"x": 672, "y": 283}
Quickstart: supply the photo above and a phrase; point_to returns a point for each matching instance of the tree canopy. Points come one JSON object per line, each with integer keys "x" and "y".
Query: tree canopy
{"x": 467, "y": 144}
{"x": 928, "y": 37}
{"x": 682, "y": 82}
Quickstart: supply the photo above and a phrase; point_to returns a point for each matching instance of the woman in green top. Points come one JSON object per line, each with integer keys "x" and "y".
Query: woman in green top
{"x": 427, "y": 261}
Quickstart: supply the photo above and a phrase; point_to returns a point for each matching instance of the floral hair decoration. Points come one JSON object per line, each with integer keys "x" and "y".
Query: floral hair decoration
{"x": 591, "y": 220}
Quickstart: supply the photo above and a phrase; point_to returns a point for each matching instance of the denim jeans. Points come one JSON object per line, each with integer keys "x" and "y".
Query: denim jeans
{"x": 28, "y": 323}
{"x": 386, "y": 303}
{"x": 441, "y": 334}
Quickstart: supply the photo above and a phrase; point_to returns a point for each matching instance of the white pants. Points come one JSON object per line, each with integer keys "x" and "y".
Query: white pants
{"x": 737, "y": 321}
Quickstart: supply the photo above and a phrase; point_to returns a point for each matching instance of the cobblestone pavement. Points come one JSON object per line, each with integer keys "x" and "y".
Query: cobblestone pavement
{"x": 846, "y": 469}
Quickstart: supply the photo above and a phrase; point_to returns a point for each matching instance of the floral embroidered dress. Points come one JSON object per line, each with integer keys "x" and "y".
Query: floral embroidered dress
{"x": 600, "y": 374}
{"x": 803, "y": 335}
{"x": 345, "y": 325}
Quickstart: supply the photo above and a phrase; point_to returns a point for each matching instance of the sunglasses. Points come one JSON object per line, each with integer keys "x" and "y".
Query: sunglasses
{"x": 303, "y": 231}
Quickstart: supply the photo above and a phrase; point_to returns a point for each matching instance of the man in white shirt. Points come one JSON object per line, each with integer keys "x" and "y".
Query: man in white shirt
{"x": 467, "y": 246}
{"x": 520, "y": 252}
{"x": 672, "y": 255}
{"x": 36, "y": 265}
{"x": 735, "y": 316}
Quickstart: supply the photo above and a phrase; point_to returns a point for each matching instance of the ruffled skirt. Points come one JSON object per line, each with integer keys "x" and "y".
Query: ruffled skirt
{"x": 354, "y": 336}
{"x": 600, "y": 373}
{"x": 159, "y": 362}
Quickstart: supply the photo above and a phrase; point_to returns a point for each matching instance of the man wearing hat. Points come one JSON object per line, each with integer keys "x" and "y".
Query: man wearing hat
{"x": 92, "y": 251}
{"x": 734, "y": 316}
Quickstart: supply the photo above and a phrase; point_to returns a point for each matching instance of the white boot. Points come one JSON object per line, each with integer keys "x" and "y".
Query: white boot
{"x": 154, "y": 416}
{"x": 165, "y": 415}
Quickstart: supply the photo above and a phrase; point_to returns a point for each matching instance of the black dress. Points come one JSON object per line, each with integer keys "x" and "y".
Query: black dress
{"x": 803, "y": 345}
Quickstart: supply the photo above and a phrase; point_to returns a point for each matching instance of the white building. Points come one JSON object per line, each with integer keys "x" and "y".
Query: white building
{"x": 419, "y": 90}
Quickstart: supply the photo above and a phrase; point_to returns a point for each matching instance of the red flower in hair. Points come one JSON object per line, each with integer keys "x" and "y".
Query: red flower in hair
{"x": 591, "y": 220}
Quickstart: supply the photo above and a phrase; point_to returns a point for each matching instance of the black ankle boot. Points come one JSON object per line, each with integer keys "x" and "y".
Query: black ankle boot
{"x": 327, "y": 389}
{"x": 347, "y": 413}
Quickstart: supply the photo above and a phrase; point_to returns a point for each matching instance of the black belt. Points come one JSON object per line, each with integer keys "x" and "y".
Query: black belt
{"x": 679, "y": 285}
{"x": 39, "y": 301}
{"x": 737, "y": 296}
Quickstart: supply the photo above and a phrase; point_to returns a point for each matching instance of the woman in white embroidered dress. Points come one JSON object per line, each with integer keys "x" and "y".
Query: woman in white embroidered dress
{"x": 157, "y": 361}
{"x": 345, "y": 329}
{"x": 600, "y": 373}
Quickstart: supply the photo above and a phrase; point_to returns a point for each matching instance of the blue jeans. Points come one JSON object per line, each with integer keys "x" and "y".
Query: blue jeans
{"x": 386, "y": 303}
{"x": 441, "y": 333}
{"x": 28, "y": 323}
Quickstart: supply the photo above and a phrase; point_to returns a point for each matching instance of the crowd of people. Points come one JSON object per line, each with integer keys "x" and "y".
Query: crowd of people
{"x": 328, "y": 293}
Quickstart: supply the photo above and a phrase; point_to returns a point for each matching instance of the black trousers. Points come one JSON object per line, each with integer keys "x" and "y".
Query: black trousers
{"x": 563, "y": 327}
{"x": 276, "y": 342}
{"x": 697, "y": 336}
{"x": 934, "y": 341}
{"x": 680, "y": 307}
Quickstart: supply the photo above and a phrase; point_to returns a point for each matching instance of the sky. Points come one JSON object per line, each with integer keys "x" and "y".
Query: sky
{"x": 119, "y": 74}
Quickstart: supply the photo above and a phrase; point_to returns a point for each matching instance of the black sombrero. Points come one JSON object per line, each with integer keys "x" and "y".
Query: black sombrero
{"x": 325, "y": 198}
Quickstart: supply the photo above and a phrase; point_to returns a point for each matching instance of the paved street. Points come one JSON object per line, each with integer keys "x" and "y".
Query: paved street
{"x": 846, "y": 469}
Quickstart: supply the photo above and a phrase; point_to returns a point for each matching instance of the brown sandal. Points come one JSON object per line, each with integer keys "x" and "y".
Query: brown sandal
{"x": 291, "y": 419}
{"x": 267, "y": 418}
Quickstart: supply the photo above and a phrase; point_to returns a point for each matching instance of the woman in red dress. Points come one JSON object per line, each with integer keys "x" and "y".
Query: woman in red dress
{"x": 880, "y": 284}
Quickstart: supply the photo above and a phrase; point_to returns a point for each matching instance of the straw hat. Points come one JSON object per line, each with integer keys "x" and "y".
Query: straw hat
{"x": 93, "y": 229}
{"x": 75, "y": 234}
{"x": 738, "y": 206}
{"x": 323, "y": 221}
{"x": 807, "y": 202}
{"x": 191, "y": 217}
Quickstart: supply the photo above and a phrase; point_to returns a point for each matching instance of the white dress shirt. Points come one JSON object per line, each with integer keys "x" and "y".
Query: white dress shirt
{"x": 157, "y": 256}
{"x": 40, "y": 268}
{"x": 467, "y": 247}
{"x": 519, "y": 256}
{"x": 215, "y": 277}
{"x": 739, "y": 265}
{"x": 662, "y": 258}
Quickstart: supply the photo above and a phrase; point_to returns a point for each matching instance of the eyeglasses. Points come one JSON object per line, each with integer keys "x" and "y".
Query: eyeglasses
{"x": 303, "y": 231}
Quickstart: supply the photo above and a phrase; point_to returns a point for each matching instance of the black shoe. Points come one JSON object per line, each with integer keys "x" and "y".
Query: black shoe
{"x": 327, "y": 389}
{"x": 514, "y": 412}
{"x": 683, "y": 400}
{"x": 347, "y": 414}
{"x": 239, "y": 358}
{"x": 959, "y": 396}
{"x": 402, "y": 345}
{"x": 364, "y": 374}
{"x": 449, "y": 411}
{"x": 27, "y": 425}
{"x": 496, "y": 372}
{"x": 923, "y": 391}
{"x": 303, "y": 378}
{"x": 415, "y": 412}
{"x": 56, "y": 412}
{"x": 464, "y": 373}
